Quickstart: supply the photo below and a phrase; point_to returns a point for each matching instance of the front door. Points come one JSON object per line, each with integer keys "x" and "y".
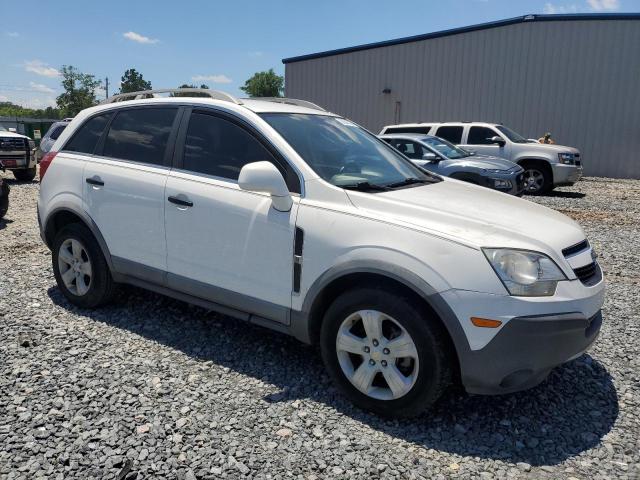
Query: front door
{"x": 479, "y": 141}
{"x": 225, "y": 244}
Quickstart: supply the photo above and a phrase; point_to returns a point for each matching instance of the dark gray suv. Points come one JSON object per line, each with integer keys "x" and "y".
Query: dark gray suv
{"x": 440, "y": 156}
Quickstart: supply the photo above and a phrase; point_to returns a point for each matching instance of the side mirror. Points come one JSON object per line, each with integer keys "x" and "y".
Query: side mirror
{"x": 497, "y": 140}
{"x": 265, "y": 177}
{"x": 430, "y": 157}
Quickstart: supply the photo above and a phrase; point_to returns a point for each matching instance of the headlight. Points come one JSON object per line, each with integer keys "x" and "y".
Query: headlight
{"x": 499, "y": 183}
{"x": 525, "y": 273}
{"x": 566, "y": 158}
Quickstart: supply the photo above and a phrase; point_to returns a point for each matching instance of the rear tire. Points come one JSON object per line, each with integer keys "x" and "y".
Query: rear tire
{"x": 80, "y": 268}
{"x": 538, "y": 177}
{"x": 397, "y": 369}
{"x": 25, "y": 175}
{"x": 4, "y": 199}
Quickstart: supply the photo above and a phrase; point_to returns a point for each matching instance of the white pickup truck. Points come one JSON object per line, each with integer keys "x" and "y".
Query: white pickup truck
{"x": 546, "y": 166}
{"x": 17, "y": 153}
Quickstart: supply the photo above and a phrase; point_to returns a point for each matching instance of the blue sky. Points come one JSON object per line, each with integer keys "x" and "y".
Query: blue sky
{"x": 215, "y": 42}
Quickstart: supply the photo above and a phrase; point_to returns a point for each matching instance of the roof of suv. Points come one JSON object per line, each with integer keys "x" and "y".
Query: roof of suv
{"x": 430, "y": 124}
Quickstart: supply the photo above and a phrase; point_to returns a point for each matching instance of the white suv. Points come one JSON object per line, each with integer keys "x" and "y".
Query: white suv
{"x": 281, "y": 214}
{"x": 545, "y": 166}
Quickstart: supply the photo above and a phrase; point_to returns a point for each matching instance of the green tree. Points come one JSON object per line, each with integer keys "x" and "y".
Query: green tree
{"x": 79, "y": 91}
{"x": 132, "y": 81}
{"x": 8, "y": 109}
{"x": 264, "y": 84}
{"x": 187, "y": 85}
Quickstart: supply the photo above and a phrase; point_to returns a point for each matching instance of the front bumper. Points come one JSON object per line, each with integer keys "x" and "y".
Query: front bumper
{"x": 566, "y": 174}
{"x": 515, "y": 178}
{"x": 527, "y": 349}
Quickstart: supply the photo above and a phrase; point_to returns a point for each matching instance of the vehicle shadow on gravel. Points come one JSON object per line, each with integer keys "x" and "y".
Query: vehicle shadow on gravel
{"x": 563, "y": 194}
{"x": 566, "y": 415}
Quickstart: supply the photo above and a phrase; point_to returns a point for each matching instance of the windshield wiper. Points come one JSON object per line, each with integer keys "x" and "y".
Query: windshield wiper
{"x": 408, "y": 181}
{"x": 365, "y": 187}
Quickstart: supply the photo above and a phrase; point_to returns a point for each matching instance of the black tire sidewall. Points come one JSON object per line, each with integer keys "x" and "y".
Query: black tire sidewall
{"x": 100, "y": 287}
{"x": 25, "y": 175}
{"x": 434, "y": 368}
{"x": 547, "y": 184}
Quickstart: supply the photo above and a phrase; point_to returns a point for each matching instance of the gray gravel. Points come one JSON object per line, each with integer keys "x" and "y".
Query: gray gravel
{"x": 154, "y": 388}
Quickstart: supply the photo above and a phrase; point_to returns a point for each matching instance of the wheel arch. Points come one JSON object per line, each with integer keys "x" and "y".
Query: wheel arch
{"x": 306, "y": 324}
{"x": 62, "y": 216}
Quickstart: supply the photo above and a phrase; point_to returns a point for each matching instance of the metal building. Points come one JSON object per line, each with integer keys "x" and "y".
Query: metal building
{"x": 576, "y": 76}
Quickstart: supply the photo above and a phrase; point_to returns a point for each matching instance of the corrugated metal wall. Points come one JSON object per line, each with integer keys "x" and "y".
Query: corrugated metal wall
{"x": 578, "y": 79}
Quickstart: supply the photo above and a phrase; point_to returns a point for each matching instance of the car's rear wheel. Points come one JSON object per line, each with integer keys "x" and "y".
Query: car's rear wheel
{"x": 385, "y": 352}
{"x": 4, "y": 198}
{"x": 537, "y": 178}
{"x": 80, "y": 268}
{"x": 25, "y": 174}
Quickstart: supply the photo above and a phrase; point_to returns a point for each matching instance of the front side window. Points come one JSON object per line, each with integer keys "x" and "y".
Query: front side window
{"x": 481, "y": 136}
{"x": 140, "y": 135}
{"x": 344, "y": 154}
{"x": 452, "y": 134}
{"x": 410, "y": 149}
{"x": 445, "y": 148}
{"x": 218, "y": 147}
{"x": 87, "y": 136}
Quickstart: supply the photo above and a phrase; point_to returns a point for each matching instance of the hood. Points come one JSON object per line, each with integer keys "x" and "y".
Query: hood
{"x": 547, "y": 147}
{"x": 487, "y": 162}
{"x": 474, "y": 216}
{"x": 8, "y": 134}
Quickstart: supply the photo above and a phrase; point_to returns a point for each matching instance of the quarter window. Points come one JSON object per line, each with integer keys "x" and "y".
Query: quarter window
{"x": 481, "y": 136}
{"x": 453, "y": 134}
{"x": 57, "y": 131}
{"x": 140, "y": 135}
{"x": 218, "y": 147}
{"x": 87, "y": 136}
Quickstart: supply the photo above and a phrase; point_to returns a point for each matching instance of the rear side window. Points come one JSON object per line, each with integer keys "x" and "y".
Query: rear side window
{"x": 219, "y": 147}
{"x": 480, "y": 136}
{"x": 424, "y": 129}
{"x": 140, "y": 135}
{"x": 453, "y": 134}
{"x": 55, "y": 133}
{"x": 87, "y": 136}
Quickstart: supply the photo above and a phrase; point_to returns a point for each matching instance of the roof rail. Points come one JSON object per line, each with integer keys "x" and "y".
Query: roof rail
{"x": 290, "y": 101}
{"x": 215, "y": 94}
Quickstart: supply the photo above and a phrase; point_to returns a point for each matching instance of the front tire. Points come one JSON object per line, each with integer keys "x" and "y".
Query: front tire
{"x": 538, "y": 178}
{"x": 385, "y": 351}
{"x": 80, "y": 268}
{"x": 25, "y": 175}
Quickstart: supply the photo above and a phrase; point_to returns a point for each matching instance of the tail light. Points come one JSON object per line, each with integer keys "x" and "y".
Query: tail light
{"x": 45, "y": 162}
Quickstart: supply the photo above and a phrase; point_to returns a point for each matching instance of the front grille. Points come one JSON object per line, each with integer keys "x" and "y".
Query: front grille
{"x": 12, "y": 144}
{"x": 577, "y": 248}
{"x": 587, "y": 272}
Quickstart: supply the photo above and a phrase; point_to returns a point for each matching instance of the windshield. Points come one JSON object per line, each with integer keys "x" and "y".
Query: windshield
{"x": 2, "y": 129}
{"x": 445, "y": 148}
{"x": 344, "y": 154}
{"x": 511, "y": 135}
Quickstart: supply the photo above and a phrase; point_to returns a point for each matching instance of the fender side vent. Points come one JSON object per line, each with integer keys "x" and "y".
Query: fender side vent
{"x": 298, "y": 243}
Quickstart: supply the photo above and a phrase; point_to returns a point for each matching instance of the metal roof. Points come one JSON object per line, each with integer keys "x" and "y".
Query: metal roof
{"x": 470, "y": 28}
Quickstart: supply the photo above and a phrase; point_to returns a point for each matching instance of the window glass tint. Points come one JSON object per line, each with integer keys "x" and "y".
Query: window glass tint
{"x": 55, "y": 133}
{"x": 140, "y": 135}
{"x": 85, "y": 139}
{"x": 447, "y": 149}
{"x": 480, "y": 136}
{"x": 424, "y": 129}
{"x": 511, "y": 135}
{"x": 218, "y": 147}
{"x": 453, "y": 134}
{"x": 410, "y": 149}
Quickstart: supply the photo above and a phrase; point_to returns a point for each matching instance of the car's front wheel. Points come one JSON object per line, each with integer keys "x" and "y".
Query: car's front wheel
{"x": 385, "y": 351}
{"x": 80, "y": 268}
{"x": 537, "y": 178}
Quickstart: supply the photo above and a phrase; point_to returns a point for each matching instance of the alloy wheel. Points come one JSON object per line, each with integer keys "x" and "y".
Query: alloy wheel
{"x": 533, "y": 180}
{"x": 377, "y": 355}
{"x": 75, "y": 266}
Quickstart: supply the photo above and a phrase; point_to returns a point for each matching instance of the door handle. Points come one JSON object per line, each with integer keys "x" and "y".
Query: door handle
{"x": 183, "y": 202}
{"x": 95, "y": 181}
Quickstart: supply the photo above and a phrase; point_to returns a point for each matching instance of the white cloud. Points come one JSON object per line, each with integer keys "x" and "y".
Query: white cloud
{"x": 256, "y": 54}
{"x": 219, "y": 78}
{"x": 12, "y": 34}
{"x": 28, "y": 99}
{"x": 552, "y": 8}
{"x": 603, "y": 5}
{"x": 4, "y": 98}
{"x": 39, "y": 87}
{"x": 40, "y": 68}
{"x": 136, "y": 37}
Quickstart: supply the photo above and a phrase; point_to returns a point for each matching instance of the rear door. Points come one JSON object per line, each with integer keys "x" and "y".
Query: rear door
{"x": 224, "y": 244}
{"x": 124, "y": 188}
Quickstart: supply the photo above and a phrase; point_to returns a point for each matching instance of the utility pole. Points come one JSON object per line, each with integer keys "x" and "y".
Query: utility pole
{"x": 106, "y": 83}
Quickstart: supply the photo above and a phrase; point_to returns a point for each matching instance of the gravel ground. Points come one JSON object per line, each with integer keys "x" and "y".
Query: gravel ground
{"x": 154, "y": 388}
